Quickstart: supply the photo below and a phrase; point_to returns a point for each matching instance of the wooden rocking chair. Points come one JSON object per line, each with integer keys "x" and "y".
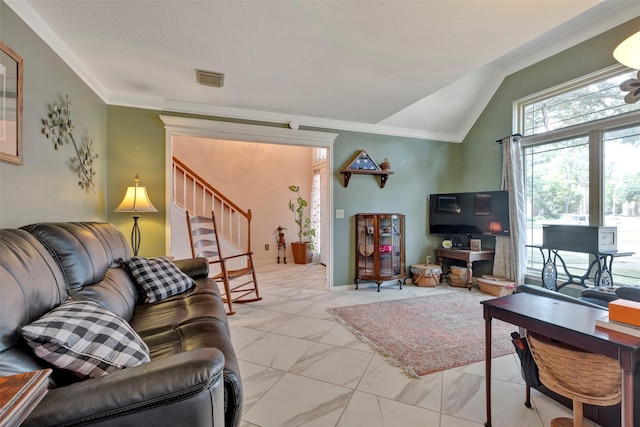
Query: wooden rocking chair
{"x": 238, "y": 283}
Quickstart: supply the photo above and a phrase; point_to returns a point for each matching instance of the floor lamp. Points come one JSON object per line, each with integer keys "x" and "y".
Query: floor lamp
{"x": 136, "y": 200}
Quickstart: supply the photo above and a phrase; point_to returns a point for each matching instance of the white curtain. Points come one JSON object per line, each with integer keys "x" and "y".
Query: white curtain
{"x": 315, "y": 215}
{"x": 511, "y": 255}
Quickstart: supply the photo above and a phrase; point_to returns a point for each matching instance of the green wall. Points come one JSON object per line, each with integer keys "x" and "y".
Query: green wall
{"x": 481, "y": 162}
{"x": 420, "y": 168}
{"x": 44, "y": 187}
{"x": 131, "y": 141}
{"x": 137, "y": 145}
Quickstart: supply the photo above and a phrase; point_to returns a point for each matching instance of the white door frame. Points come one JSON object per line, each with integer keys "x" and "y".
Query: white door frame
{"x": 202, "y": 128}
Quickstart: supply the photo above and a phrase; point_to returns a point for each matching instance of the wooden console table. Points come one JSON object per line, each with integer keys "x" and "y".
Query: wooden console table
{"x": 19, "y": 394}
{"x": 566, "y": 322}
{"x": 464, "y": 255}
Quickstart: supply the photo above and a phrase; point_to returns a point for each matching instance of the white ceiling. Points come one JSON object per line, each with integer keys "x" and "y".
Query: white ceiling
{"x": 411, "y": 68}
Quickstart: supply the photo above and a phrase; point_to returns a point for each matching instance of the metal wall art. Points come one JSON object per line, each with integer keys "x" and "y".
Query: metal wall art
{"x": 59, "y": 129}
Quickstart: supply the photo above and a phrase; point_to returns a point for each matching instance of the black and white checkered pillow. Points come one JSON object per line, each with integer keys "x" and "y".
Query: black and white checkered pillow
{"x": 158, "y": 277}
{"x": 82, "y": 337}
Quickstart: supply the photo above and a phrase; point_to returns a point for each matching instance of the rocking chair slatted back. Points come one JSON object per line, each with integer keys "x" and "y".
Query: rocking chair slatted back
{"x": 203, "y": 237}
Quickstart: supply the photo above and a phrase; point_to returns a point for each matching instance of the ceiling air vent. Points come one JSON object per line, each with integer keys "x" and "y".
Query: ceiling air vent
{"x": 210, "y": 78}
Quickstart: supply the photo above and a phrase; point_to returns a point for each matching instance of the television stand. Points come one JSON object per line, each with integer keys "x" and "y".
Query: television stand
{"x": 465, "y": 255}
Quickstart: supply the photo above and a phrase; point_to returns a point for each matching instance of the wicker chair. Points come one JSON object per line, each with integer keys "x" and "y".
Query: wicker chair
{"x": 576, "y": 374}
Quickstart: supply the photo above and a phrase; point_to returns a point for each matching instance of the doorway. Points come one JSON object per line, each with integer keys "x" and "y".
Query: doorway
{"x": 179, "y": 127}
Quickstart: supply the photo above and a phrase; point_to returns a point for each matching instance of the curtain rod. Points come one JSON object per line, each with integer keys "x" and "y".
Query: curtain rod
{"x": 517, "y": 135}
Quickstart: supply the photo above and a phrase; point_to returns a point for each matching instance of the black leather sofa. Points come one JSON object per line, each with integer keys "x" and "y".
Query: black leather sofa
{"x": 192, "y": 378}
{"x": 606, "y": 416}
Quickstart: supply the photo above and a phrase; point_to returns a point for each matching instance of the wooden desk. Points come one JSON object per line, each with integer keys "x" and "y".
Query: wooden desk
{"x": 464, "y": 255}
{"x": 570, "y": 323}
{"x": 19, "y": 394}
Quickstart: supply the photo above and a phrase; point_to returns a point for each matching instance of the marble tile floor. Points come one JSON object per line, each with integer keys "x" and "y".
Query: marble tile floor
{"x": 300, "y": 367}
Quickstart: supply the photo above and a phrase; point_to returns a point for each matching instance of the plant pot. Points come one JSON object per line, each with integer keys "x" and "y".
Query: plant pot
{"x": 301, "y": 255}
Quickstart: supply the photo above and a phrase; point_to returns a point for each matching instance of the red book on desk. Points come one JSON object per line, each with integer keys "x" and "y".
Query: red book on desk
{"x": 625, "y": 311}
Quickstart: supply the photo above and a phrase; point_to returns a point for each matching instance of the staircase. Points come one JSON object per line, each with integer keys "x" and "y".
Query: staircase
{"x": 191, "y": 192}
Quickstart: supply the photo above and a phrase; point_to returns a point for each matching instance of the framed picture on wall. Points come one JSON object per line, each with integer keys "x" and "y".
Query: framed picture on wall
{"x": 11, "y": 75}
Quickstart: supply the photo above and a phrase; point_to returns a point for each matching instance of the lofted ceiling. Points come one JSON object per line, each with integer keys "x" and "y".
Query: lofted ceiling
{"x": 423, "y": 69}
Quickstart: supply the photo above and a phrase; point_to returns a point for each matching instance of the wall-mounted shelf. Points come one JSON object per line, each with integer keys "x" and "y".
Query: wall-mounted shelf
{"x": 384, "y": 175}
{"x": 362, "y": 164}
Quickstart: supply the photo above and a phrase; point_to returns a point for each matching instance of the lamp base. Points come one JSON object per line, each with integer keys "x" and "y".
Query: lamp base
{"x": 135, "y": 235}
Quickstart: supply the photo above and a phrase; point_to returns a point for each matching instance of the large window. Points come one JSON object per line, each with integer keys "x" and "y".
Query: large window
{"x": 622, "y": 198}
{"x": 581, "y": 149}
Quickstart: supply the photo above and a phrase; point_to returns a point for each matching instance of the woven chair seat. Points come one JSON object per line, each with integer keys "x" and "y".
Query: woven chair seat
{"x": 577, "y": 374}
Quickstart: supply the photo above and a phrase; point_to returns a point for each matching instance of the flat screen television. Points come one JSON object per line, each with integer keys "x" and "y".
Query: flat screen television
{"x": 485, "y": 212}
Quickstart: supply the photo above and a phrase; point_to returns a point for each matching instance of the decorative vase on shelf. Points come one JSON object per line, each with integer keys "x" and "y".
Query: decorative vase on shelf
{"x": 385, "y": 165}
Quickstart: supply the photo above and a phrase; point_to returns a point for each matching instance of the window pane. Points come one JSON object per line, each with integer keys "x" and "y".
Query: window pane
{"x": 578, "y": 105}
{"x": 622, "y": 200}
{"x": 320, "y": 155}
{"x": 557, "y": 192}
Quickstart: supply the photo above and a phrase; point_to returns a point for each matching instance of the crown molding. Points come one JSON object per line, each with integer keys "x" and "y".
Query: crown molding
{"x": 550, "y": 44}
{"x": 35, "y": 22}
{"x": 203, "y": 128}
{"x": 177, "y": 106}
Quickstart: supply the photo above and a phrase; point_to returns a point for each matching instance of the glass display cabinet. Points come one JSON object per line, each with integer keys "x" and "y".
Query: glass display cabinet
{"x": 380, "y": 248}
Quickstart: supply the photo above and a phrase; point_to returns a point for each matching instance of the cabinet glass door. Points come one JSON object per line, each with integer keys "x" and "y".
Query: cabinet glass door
{"x": 366, "y": 246}
{"x": 390, "y": 230}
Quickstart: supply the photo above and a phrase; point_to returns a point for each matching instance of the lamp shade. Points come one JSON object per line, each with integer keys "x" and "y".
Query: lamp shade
{"x": 136, "y": 200}
{"x": 495, "y": 227}
{"x": 628, "y": 52}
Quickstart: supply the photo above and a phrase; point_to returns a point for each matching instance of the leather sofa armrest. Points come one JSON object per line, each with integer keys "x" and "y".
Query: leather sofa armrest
{"x": 598, "y": 296}
{"x": 134, "y": 391}
{"x": 196, "y": 268}
{"x": 628, "y": 292}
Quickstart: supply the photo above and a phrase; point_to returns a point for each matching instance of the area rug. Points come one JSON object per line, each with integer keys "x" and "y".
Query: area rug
{"x": 428, "y": 334}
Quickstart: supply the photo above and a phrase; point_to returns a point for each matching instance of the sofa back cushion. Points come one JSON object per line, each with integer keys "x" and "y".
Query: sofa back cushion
{"x": 31, "y": 284}
{"x": 81, "y": 255}
{"x": 89, "y": 254}
{"x": 112, "y": 239}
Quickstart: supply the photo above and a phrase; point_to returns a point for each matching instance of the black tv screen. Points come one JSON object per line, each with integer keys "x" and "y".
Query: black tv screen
{"x": 485, "y": 212}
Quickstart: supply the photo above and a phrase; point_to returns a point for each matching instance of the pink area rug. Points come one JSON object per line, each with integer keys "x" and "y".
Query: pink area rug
{"x": 428, "y": 334}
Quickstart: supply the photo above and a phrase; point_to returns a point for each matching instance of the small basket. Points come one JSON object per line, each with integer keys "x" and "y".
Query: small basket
{"x": 496, "y": 285}
{"x": 458, "y": 271}
{"x": 458, "y": 281}
{"x": 426, "y": 275}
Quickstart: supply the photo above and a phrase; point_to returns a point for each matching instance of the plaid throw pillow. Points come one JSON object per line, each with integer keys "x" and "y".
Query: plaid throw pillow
{"x": 86, "y": 339}
{"x": 158, "y": 277}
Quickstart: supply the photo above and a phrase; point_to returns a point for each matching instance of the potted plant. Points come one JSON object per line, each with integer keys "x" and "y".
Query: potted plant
{"x": 303, "y": 247}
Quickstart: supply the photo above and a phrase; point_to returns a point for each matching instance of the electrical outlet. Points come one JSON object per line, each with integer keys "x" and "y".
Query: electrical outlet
{"x": 266, "y": 247}
{"x": 428, "y": 260}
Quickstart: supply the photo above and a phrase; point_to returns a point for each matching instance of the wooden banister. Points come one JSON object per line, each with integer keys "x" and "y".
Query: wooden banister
{"x": 201, "y": 193}
{"x": 218, "y": 194}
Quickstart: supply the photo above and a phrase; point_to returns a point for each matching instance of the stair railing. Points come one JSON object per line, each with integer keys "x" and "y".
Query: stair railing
{"x": 193, "y": 193}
